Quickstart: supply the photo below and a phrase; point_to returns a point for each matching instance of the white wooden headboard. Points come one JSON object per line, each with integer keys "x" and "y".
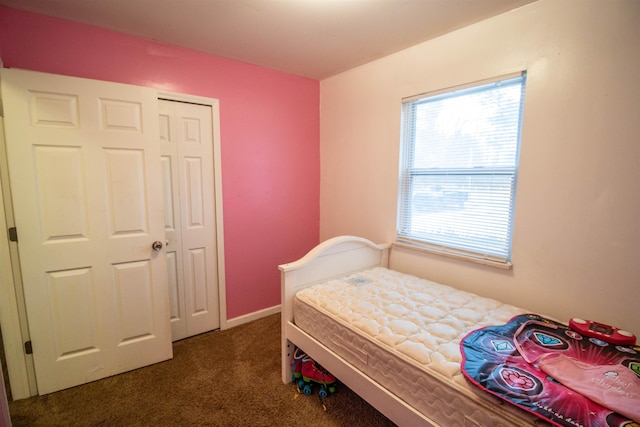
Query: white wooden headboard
{"x": 332, "y": 258}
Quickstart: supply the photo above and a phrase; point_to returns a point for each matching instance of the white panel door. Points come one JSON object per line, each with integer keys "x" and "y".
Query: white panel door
{"x": 186, "y": 136}
{"x": 84, "y": 167}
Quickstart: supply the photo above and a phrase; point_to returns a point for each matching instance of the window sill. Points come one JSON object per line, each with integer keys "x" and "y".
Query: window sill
{"x": 452, "y": 253}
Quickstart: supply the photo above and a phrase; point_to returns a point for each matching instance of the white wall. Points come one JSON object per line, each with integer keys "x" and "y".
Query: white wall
{"x": 576, "y": 244}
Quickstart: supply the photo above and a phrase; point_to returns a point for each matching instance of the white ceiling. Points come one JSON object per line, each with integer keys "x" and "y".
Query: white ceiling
{"x": 310, "y": 38}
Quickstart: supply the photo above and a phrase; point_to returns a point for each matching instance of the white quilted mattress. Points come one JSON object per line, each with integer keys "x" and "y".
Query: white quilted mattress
{"x": 405, "y": 332}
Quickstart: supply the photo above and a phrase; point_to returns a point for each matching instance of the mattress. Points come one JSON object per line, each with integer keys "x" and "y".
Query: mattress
{"x": 405, "y": 333}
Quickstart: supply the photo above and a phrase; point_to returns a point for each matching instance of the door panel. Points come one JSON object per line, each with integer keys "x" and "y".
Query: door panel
{"x": 197, "y": 281}
{"x": 132, "y": 282}
{"x": 126, "y": 192}
{"x": 72, "y": 330}
{"x": 193, "y": 203}
{"x": 120, "y": 115}
{"x": 84, "y": 166}
{"x": 186, "y": 137}
{"x": 53, "y": 109}
{"x": 62, "y": 197}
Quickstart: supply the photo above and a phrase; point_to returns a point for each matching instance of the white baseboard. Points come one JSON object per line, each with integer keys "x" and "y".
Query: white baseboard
{"x": 237, "y": 321}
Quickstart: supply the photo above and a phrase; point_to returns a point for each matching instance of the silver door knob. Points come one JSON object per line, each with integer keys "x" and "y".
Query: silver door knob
{"x": 157, "y": 245}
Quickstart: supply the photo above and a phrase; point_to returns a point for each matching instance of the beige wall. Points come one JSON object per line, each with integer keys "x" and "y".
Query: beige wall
{"x": 576, "y": 244}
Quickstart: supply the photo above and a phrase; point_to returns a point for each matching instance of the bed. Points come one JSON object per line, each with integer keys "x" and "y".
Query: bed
{"x": 413, "y": 381}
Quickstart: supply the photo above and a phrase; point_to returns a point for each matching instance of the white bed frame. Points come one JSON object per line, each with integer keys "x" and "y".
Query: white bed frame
{"x": 346, "y": 255}
{"x": 331, "y": 259}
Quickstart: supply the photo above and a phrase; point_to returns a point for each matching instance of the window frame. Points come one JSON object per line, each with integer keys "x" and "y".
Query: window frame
{"x": 407, "y": 175}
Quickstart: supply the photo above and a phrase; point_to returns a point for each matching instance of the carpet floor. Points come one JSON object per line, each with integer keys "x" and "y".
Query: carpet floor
{"x": 220, "y": 378}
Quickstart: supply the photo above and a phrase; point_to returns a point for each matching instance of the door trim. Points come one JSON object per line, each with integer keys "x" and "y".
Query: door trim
{"x": 13, "y": 317}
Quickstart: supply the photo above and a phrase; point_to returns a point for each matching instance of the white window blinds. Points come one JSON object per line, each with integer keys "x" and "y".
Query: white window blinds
{"x": 458, "y": 171}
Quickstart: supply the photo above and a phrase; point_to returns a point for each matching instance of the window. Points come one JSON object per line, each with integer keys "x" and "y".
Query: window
{"x": 459, "y": 166}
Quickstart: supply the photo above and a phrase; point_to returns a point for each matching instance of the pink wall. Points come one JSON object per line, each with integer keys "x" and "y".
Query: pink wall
{"x": 269, "y": 135}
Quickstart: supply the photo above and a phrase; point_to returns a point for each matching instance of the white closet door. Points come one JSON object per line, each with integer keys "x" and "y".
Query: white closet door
{"x": 186, "y": 136}
{"x": 84, "y": 165}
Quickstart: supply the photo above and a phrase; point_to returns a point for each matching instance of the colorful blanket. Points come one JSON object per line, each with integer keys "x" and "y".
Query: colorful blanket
{"x": 492, "y": 362}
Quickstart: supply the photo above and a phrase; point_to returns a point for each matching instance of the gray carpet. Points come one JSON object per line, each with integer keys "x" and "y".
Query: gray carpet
{"x": 221, "y": 378}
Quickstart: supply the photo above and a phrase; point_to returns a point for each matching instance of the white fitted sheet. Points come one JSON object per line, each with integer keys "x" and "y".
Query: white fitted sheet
{"x": 405, "y": 333}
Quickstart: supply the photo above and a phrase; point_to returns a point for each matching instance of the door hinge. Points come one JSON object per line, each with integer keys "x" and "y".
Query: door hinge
{"x": 28, "y": 348}
{"x": 13, "y": 234}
